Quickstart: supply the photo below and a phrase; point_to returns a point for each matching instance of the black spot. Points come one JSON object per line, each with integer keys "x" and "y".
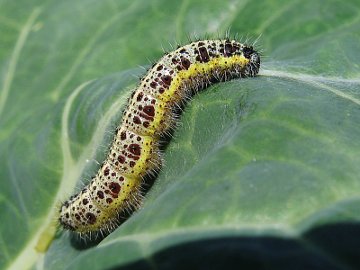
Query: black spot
{"x": 90, "y": 218}
{"x": 247, "y": 51}
{"x": 109, "y": 200}
{"x": 204, "y": 54}
{"x": 185, "y": 63}
{"x": 139, "y": 96}
{"x": 100, "y": 194}
{"x": 123, "y": 135}
{"x": 228, "y": 48}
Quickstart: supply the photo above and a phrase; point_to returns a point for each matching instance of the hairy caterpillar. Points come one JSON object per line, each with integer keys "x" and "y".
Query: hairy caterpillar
{"x": 151, "y": 112}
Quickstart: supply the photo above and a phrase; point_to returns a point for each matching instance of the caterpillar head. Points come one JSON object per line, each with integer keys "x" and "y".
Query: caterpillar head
{"x": 254, "y": 65}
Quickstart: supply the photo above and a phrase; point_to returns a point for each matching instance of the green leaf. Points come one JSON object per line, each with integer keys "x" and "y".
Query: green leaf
{"x": 262, "y": 173}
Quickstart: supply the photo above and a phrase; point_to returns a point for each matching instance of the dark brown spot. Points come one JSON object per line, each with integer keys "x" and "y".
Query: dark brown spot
{"x": 185, "y": 63}
{"x": 135, "y": 149}
{"x": 166, "y": 79}
{"x": 139, "y": 96}
{"x": 106, "y": 171}
{"x": 204, "y": 54}
{"x": 123, "y": 135}
{"x": 161, "y": 90}
{"x": 114, "y": 187}
{"x": 247, "y": 51}
{"x": 228, "y": 49}
{"x": 146, "y": 124}
{"x": 149, "y": 110}
{"x": 121, "y": 159}
{"x": 133, "y": 157}
{"x": 109, "y": 200}
{"x": 160, "y": 67}
{"x": 136, "y": 120}
{"x": 100, "y": 194}
{"x": 90, "y": 218}
{"x": 85, "y": 201}
{"x": 132, "y": 164}
{"x": 146, "y": 117}
{"x": 77, "y": 216}
{"x": 153, "y": 84}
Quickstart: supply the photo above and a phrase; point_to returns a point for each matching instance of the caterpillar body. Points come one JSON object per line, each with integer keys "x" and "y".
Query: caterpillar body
{"x": 150, "y": 113}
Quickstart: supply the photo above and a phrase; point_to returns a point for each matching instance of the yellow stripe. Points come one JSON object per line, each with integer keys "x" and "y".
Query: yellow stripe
{"x": 195, "y": 69}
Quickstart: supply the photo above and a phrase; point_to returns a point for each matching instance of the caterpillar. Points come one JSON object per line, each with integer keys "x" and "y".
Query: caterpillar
{"x": 151, "y": 112}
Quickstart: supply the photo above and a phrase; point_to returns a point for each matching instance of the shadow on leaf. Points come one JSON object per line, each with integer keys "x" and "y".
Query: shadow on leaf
{"x": 328, "y": 247}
